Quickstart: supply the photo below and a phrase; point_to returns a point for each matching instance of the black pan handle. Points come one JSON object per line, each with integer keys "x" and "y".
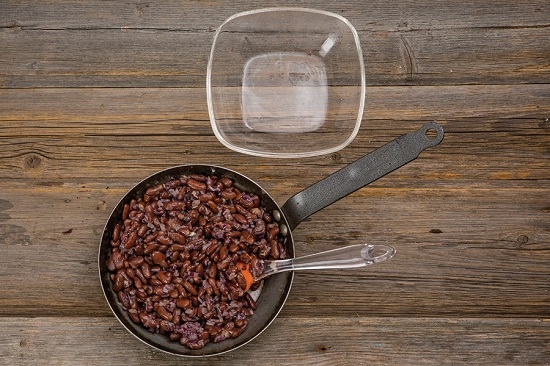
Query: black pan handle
{"x": 358, "y": 174}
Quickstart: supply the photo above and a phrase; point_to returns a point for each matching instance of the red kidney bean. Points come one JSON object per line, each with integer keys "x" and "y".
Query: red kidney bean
{"x": 178, "y": 247}
{"x": 198, "y": 257}
{"x": 212, "y": 271}
{"x": 174, "y": 257}
{"x": 118, "y": 260}
{"x": 234, "y": 234}
{"x": 135, "y": 262}
{"x": 259, "y": 229}
{"x": 200, "y": 270}
{"x": 151, "y": 248}
{"x": 139, "y": 274}
{"x": 272, "y": 233}
{"x": 116, "y": 232}
{"x": 190, "y": 288}
{"x": 158, "y": 257}
{"x": 125, "y": 212}
{"x": 174, "y": 205}
{"x": 162, "y": 238}
{"x": 241, "y": 219}
{"x": 244, "y": 257}
{"x": 148, "y": 320}
{"x": 136, "y": 215}
{"x": 223, "y": 252}
{"x": 131, "y": 241}
{"x": 274, "y": 248}
{"x": 199, "y": 177}
{"x": 227, "y": 182}
{"x": 153, "y": 191}
{"x": 248, "y": 201}
{"x": 165, "y": 326}
{"x": 164, "y": 314}
{"x": 174, "y": 293}
{"x": 222, "y": 265}
{"x": 118, "y": 283}
{"x": 183, "y": 303}
{"x": 164, "y": 277}
{"x": 141, "y": 294}
{"x": 134, "y": 315}
{"x": 210, "y": 249}
{"x": 241, "y": 210}
{"x": 174, "y": 336}
{"x": 247, "y": 238}
{"x": 154, "y": 281}
{"x": 149, "y": 238}
{"x": 196, "y": 185}
{"x": 201, "y": 293}
{"x": 208, "y": 196}
{"x": 234, "y": 333}
{"x": 177, "y": 237}
{"x": 124, "y": 300}
{"x": 142, "y": 231}
{"x": 146, "y": 270}
{"x": 130, "y": 273}
{"x": 111, "y": 264}
{"x": 213, "y": 207}
{"x": 228, "y": 195}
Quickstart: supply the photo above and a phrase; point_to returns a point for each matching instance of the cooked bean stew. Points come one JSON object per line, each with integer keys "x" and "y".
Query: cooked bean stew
{"x": 174, "y": 254}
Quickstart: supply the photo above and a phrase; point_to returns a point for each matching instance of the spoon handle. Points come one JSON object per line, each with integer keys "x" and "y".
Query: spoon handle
{"x": 352, "y": 256}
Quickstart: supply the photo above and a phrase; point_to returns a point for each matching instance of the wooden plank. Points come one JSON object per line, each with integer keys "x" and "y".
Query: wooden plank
{"x": 69, "y": 156}
{"x": 153, "y": 58}
{"x": 57, "y": 109}
{"x": 54, "y": 137}
{"x": 476, "y": 251}
{"x": 193, "y": 15}
{"x": 291, "y": 341}
{"x": 149, "y": 45}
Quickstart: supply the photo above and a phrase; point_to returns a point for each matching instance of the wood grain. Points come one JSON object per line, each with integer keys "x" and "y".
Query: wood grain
{"x": 487, "y": 259}
{"x": 92, "y": 44}
{"x": 375, "y": 341}
{"x": 95, "y": 96}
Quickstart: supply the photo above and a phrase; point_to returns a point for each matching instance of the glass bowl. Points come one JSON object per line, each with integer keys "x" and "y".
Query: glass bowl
{"x": 285, "y": 82}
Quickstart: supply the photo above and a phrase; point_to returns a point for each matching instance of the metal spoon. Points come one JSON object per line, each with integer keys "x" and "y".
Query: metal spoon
{"x": 352, "y": 256}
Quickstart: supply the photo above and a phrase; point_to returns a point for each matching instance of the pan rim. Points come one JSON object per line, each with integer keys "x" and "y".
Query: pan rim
{"x": 165, "y": 172}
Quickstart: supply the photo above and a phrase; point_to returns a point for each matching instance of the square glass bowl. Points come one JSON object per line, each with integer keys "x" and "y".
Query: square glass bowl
{"x": 286, "y": 82}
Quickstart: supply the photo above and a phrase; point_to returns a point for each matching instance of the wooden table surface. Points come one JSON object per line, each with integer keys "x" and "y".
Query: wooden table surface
{"x": 96, "y": 95}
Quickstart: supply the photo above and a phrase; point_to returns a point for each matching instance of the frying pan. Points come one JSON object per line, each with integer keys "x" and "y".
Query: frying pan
{"x": 275, "y": 289}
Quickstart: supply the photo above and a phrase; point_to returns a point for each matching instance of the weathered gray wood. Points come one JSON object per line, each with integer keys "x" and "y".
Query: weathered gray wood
{"x": 291, "y": 340}
{"x": 56, "y": 134}
{"x": 167, "y": 45}
{"x": 488, "y": 258}
{"x": 96, "y": 95}
{"x": 199, "y": 15}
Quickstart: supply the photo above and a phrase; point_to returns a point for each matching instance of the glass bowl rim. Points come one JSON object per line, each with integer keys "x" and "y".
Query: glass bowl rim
{"x": 271, "y": 154}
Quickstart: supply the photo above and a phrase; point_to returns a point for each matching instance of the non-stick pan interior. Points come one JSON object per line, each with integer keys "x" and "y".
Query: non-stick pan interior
{"x": 274, "y": 291}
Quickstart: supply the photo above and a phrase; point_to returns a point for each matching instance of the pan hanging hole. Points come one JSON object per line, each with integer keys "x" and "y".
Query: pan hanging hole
{"x": 431, "y": 133}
